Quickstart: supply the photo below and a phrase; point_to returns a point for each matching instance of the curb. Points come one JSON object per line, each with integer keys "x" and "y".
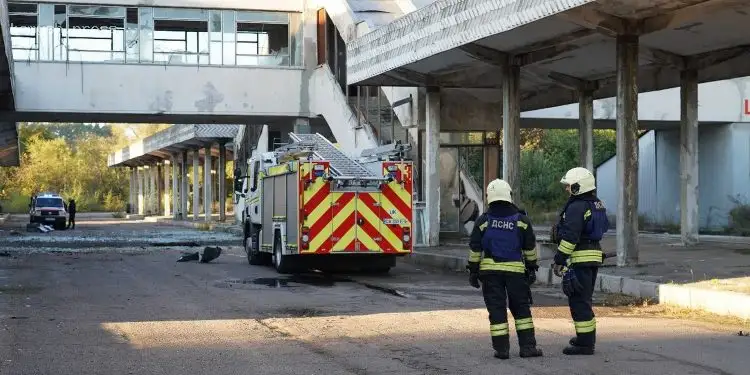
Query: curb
{"x": 215, "y": 227}
{"x": 718, "y": 302}
{"x": 3, "y": 218}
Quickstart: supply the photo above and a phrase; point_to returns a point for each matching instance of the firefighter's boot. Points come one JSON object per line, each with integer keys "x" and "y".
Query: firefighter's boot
{"x": 501, "y": 344}
{"x": 527, "y": 343}
{"x": 578, "y": 350}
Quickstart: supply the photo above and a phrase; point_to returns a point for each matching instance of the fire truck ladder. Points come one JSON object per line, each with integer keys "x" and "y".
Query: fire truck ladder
{"x": 340, "y": 164}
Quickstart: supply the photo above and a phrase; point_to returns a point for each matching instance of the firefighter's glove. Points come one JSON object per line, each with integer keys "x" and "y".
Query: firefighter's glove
{"x": 474, "y": 280}
{"x": 570, "y": 284}
{"x": 558, "y": 269}
{"x": 553, "y": 234}
{"x": 531, "y": 273}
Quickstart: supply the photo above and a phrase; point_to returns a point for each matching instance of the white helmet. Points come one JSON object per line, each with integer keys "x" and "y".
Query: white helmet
{"x": 581, "y": 180}
{"x": 499, "y": 190}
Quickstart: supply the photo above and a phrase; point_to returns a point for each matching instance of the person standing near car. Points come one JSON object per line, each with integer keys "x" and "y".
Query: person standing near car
{"x": 72, "y": 214}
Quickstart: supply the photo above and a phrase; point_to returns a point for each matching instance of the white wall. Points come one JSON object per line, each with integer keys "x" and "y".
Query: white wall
{"x": 120, "y": 88}
{"x": 717, "y": 101}
{"x": 724, "y": 172}
{"x": 607, "y": 182}
{"x": 281, "y": 5}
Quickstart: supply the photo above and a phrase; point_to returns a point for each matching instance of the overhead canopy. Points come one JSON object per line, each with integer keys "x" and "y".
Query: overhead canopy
{"x": 168, "y": 142}
{"x": 561, "y": 45}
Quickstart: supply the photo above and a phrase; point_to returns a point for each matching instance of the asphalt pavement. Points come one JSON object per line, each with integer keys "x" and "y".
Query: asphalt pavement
{"x": 119, "y": 309}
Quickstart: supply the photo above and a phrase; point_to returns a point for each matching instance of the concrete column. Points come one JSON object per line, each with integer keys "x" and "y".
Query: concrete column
{"x": 175, "y": 187}
{"x": 491, "y": 165}
{"x": 512, "y": 129}
{"x": 141, "y": 207}
{"x": 133, "y": 198}
{"x": 208, "y": 198}
{"x": 586, "y": 129}
{"x": 432, "y": 169}
{"x": 165, "y": 187}
{"x": 160, "y": 187}
{"x": 154, "y": 201}
{"x": 196, "y": 185}
{"x": 302, "y": 126}
{"x": 689, "y": 156}
{"x": 222, "y": 173}
{"x": 627, "y": 150}
{"x": 184, "y": 184}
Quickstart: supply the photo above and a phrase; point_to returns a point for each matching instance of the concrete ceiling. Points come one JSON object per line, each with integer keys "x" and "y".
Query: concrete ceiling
{"x": 454, "y": 45}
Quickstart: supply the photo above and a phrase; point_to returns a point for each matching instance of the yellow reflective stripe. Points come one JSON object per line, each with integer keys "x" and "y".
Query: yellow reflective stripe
{"x": 488, "y": 264}
{"x": 475, "y": 256}
{"x": 499, "y": 329}
{"x": 530, "y": 255}
{"x": 566, "y": 247}
{"x": 586, "y": 214}
{"x": 585, "y": 327}
{"x": 523, "y": 324}
{"x": 483, "y": 226}
{"x": 585, "y": 256}
{"x": 522, "y": 225}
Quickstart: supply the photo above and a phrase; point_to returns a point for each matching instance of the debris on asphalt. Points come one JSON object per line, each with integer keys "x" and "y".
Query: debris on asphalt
{"x": 743, "y": 334}
{"x": 208, "y": 254}
{"x": 39, "y": 228}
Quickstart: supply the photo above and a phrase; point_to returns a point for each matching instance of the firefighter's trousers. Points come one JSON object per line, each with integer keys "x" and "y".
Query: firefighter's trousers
{"x": 581, "y": 306}
{"x": 496, "y": 287}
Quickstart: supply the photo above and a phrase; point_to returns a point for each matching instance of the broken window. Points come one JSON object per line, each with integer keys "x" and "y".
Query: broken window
{"x": 181, "y": 36}
{"x": 96, "y": 33}
{"x": 262, "y": 38}
{"x": 23, "y": 30}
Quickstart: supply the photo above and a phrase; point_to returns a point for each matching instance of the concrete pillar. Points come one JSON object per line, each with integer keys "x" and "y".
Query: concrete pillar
{"x": 302, "y": 125}
{"x": 689, "y": 156}
{"x": 141, "y": 207}
{"x": 175, "y": 187}
{"x": 160, "y": 188}
{"x": 222, "y": 173}
{"x": 133, "y": 198}
{"x": 512, "y": 129}
{"x": 208, "y": 198}
{"x": 196, "y": 185}
{"x": 586, "y": 129}
{"x": 432, "y": 169}
{"x": 165, "y": 187}
{"x": 491, "y": 165}
{"x": 627, "y": 150}
{"x": 184, "y": 185}
{"x": 154, "y": 201}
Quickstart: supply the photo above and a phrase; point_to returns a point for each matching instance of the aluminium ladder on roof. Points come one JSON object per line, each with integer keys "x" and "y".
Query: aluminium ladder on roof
{"x": 340, "y": 163}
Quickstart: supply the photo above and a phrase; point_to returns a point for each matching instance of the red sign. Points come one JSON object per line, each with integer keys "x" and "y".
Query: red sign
{"x": 747, "y": 106}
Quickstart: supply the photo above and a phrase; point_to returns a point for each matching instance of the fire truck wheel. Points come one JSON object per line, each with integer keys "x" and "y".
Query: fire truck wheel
{"x": 254, "y": 256}
{"x": 281, "y": 262}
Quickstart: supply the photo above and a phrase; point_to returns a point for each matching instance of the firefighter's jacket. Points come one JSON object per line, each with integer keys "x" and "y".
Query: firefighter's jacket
{"x": 502, "y": 240}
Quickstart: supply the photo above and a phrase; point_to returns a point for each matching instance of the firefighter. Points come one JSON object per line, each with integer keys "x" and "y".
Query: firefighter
{"x": 582, "y": 224}
{"x": 72, "y": 214}
{"x": 503, "y": 257}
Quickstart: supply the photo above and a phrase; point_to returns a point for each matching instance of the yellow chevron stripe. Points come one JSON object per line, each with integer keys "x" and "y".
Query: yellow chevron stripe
{"x": 394, "y": 240}
{"x": 401, "y": 193}
{"x": 367, "y": 214}
{"x": 366, "y": 242}
{"x": 338, "y": 220}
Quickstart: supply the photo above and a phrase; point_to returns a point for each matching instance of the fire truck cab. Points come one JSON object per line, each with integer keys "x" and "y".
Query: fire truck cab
{"x": 307, "y": 205}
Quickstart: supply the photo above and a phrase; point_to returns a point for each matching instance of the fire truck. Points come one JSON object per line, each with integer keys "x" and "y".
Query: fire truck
{"x": 309, "y": 206}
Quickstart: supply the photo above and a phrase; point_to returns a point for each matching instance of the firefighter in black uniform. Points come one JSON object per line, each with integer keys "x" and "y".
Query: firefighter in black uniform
{"x": 582, "y": 224}
{"x": 503, "y": 257}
